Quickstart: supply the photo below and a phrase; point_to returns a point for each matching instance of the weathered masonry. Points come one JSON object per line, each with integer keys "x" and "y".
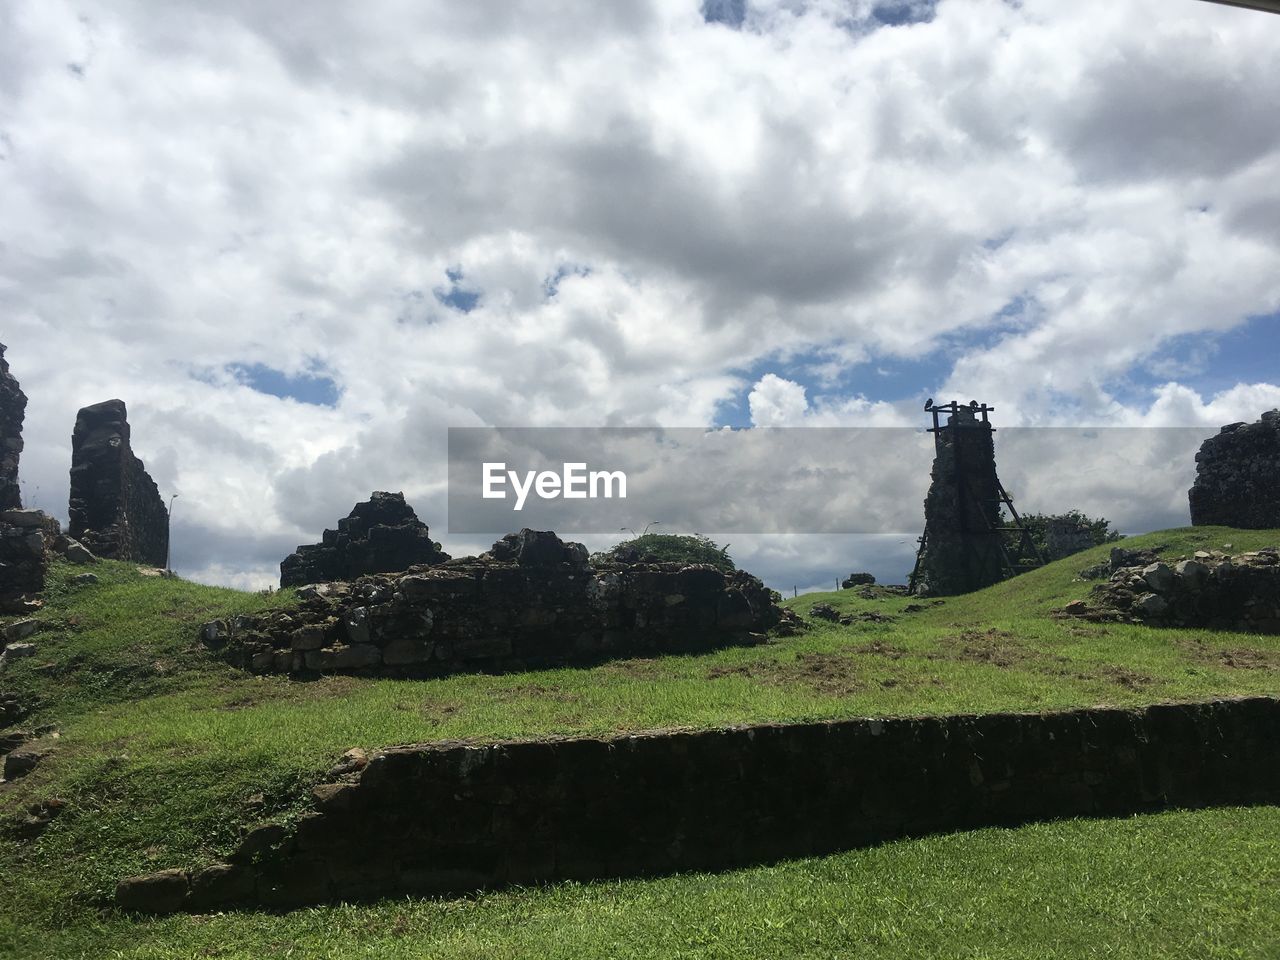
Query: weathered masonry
{"x": 1238, "y": 476}
{"x": 28, "y": 540}
{"x": 116, "y": 510}
{"x": 380, "y": 535}
{"x": 1209, "y": 589}
{"x": 13, "y": 407}
{"x": 453, "y": 818}
{"x": 531, "y": 601}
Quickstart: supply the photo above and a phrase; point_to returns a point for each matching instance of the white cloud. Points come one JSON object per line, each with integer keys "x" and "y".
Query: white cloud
{"x": 189, "y": 186}
{"x": 775, "y": 402}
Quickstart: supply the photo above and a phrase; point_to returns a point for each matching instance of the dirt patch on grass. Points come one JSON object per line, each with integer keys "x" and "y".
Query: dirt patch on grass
{"x": 435, "y": 711}
{"x": 1129, "y": 679}
{"x": 1112, "y": 673}
{"x": 870, "y": 616}
{"x": 876, "y": 648}
{"x": 830, "y": 674}
{"x": 1235, "y": 658}
{"x": 996, "y": 647}
{"x": 1086, "y": 630}
{"x": 527, "y": 691}
{"x": 1245, "y": 659}
{"x": 241, "y": 703}
{"x": 642, "y": 668}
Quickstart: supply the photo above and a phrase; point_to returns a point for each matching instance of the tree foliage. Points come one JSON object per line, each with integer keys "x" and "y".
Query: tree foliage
{"x": 1099, "y": 529}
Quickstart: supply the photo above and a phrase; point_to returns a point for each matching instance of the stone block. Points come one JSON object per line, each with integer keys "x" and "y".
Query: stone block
{"x": 25, "y": 519}
{"x": 162, "y": 892}
{"x": 310, "y": 637}
{"x": 356, "y": 625}
{"x": 405, "y": 650}
{"x": 220, "y": 885}
{"x": 439, "y": 584}
{"x": 1159, "y": 578}
{"x": 20, "y": 629}
{"x": 355, "y": 657}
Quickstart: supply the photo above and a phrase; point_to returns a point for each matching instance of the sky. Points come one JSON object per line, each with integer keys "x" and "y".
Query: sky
{"x": 301, "y": 241}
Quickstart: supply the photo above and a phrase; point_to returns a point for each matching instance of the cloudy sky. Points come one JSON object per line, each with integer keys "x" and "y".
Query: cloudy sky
{"x": 302, "y": 240}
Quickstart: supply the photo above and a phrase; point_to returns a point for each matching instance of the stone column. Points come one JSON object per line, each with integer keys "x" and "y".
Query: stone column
{"x": 116, "y": 509}
{"x": 13, "y": 407}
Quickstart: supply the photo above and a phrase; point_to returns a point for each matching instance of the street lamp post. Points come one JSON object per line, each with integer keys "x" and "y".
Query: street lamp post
{"x": 168, "y": 540}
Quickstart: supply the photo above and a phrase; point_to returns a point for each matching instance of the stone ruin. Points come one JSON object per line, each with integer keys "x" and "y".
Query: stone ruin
{"x": 114, "y": 505}
{"x": 116, "y": 510}
{"x": 857, "y": 580}
{"x": 1064, "y": 537}
{"x": 380, "y": 535}
{"x": 27, "y": 537}
{"x": 1209, "y": 589}
{"x": 963, "y": 547}
{"x": 13, "y": 407}
{"x": 532, "y": 601}
{"x": 1238, "y": 476}
{"x": 452, "y": 818}
{"x": 28, "y": 540}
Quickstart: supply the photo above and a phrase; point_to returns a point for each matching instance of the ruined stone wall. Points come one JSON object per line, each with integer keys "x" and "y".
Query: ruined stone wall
{"x": 452, "y": 818}
{"x": 1064, "y": 537}
{"x": 27, "y": 543}
{"x": 13, "y": 406}
{"x": 1238, "y": 476}
{"x": 960, "y": 554}
{"x": 380, "y": 535}
{"x": 532, "y": 601}
{"x": 116, "y": 509}
{"x": 1209, "y": 589}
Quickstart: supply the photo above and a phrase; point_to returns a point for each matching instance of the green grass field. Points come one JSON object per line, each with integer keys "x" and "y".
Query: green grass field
{"x": 164, "y": 754}
{"x": 1203, "y": 884}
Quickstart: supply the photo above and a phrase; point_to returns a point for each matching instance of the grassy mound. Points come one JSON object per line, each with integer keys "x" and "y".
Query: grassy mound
{"x": 164, "y": 754}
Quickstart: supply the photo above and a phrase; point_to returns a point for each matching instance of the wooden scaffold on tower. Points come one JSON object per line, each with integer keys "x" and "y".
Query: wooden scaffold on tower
{"x": 968, "y": 542}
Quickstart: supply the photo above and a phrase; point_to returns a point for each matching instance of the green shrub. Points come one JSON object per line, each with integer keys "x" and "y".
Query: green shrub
{"x": 671, "y": 548}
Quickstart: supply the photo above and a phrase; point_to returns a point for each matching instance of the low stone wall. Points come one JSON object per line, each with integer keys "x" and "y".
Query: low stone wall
{"x": 532, "y": 601}
{"x": 1209, "y": 589}
{"x": 451, "y": 818}
{"x": 27, "y": 541}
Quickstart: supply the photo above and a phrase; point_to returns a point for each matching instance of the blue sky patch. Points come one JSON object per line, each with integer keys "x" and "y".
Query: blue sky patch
{"x": 897, "y": 13}
{"x": 457, "y": 295}
{"x": 1211, "y": 364}
{"x": 879, "y": 379}
{"x": 312, "y": 388}
{"x": 729, "y": 12}
{"x": 551, "y": 286}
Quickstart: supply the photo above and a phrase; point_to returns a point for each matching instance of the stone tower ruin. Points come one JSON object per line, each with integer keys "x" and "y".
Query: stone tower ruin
{"x": 967, "y": 543}
{"x": 116, "y": 509}
{"x": 13, "y": 407}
